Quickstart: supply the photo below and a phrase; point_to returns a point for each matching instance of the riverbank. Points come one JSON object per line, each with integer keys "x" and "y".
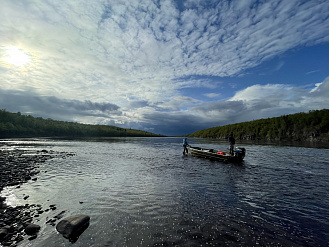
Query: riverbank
{"x": 18, "y": 167}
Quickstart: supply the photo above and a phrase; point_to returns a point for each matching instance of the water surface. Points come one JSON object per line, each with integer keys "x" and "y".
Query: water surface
{"x": 144, "y": 192}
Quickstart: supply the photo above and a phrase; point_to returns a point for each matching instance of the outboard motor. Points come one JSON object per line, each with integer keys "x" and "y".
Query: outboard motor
{"x": 240, "y": 152}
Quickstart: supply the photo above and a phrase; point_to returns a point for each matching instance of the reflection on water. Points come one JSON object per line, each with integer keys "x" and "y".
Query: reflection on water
{"x": 143, "y": 192}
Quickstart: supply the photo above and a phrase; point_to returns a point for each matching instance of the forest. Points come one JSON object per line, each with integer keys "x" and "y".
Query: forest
{"x": 311, "y": 126}
{"x": 18, "y": 125}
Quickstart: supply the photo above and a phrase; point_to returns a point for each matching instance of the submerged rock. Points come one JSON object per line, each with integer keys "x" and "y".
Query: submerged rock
{"x": 73, "y": 226}
{"x": 3, "y": 233}
{"x": 32, "y": 229}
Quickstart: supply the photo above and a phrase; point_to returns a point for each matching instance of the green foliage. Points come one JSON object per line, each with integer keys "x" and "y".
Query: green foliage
{"x": 313, "y": 125}
{"x": 18, "y": 125}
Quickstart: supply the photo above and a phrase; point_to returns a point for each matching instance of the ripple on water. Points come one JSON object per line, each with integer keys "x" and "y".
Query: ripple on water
{"x": 139, "y": 192}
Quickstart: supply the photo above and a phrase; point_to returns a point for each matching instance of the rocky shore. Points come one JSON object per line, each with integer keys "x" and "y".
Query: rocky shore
{"x": 18, "y": 167}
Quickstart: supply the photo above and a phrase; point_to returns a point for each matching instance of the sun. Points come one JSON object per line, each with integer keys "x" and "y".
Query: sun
{"x": 17, "y": 56}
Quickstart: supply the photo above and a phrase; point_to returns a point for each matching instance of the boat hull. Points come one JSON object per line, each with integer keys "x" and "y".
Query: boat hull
{"x": 238, "y": 154}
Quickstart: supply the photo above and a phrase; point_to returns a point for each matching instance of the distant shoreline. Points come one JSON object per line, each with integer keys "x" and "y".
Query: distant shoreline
{"x": 306, "y": 144}
{"x": 312, "y": 126}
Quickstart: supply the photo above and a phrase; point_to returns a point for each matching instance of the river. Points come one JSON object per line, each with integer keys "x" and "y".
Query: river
{"x": 144, "y": 192}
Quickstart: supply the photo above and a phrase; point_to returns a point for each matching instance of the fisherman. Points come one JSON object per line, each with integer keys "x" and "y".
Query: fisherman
{"x": 232, "y": 142}
{"x": 185, "y": 144}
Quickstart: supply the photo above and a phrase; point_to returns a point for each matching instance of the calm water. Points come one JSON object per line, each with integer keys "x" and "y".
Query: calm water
{"x": 143, "y": 192}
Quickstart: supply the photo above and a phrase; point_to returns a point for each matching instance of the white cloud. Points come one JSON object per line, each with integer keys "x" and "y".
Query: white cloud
{"x": 212, "y": 95}
{"x": 319, "y": 94}
{"x": 270, "y": 92}
{"x": 313, "y": 71}
{"x": 150, "y": 41}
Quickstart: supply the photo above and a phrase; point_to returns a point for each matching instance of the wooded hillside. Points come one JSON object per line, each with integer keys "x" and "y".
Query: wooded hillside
{"x": 313, "y": 125}
{"x": 18, "y": 125}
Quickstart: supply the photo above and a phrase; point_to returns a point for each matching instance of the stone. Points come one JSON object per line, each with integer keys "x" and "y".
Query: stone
{"x": 73, "y": 225}
{"x": 32, "y": 237}
{"x": 60, "y": 215}
{"x": 3, "y": 233}
{"x": 32, "y": 229}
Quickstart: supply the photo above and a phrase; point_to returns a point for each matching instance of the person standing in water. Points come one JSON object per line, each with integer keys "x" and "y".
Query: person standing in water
{"x": 185, "y": 144}
{"x": 232, "y": 143}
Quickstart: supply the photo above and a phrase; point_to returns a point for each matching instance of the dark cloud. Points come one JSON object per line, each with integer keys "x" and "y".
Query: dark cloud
{"x": 137, "y": 104}
{"x": 81, "y": 105}
{"x": 53, "y": 107}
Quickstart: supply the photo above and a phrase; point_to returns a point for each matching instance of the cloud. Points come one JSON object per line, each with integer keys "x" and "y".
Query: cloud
{"x": 53, "y": 107}
{"x": 280, "y": 97}
{"x": 212, "y": 95}
{"x": 313, "y": 71}
{"x": 177, "y": 103}
{"x": 129, "y": 61}
{"x": 80, "y": 106}
{"x": 321, "y": 91}
{"x": 148, "y": 40}
{"x": 269, "y": 92}
{"x": 137, "y": 104}
{"x": 196, "y": 82}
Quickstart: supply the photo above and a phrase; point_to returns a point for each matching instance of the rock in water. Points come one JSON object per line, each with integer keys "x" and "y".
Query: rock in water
{"x": 32, "y": 229}
{"x": 73, "y": 226}
{"x": 3, "y": 233}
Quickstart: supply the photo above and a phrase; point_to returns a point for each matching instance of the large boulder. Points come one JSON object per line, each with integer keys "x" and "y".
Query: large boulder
{"x": 73, "y": 226}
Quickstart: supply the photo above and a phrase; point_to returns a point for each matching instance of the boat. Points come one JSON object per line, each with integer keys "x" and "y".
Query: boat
{"x": 237, "y": 156}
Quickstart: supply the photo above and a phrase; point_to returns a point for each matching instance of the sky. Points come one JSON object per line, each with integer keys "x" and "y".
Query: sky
{"x": 170, "y": 67}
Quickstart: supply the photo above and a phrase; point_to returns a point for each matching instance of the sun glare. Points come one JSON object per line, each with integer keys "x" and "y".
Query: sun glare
{"x": 17, "y": 56}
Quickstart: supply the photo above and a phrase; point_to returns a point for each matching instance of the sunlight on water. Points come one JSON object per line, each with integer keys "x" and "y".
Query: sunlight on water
{"x": 11, "y": 198}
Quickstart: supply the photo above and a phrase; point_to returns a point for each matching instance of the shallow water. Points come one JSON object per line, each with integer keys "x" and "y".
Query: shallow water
{"x": 144, "y": 192}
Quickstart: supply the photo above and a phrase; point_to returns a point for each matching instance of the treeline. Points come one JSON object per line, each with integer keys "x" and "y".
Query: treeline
{"x": 18, "y": 125}
{"x": 313, "y": 125}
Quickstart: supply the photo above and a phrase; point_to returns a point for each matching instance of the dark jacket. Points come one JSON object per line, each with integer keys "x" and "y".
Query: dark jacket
{"x": 231, "y": 140}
